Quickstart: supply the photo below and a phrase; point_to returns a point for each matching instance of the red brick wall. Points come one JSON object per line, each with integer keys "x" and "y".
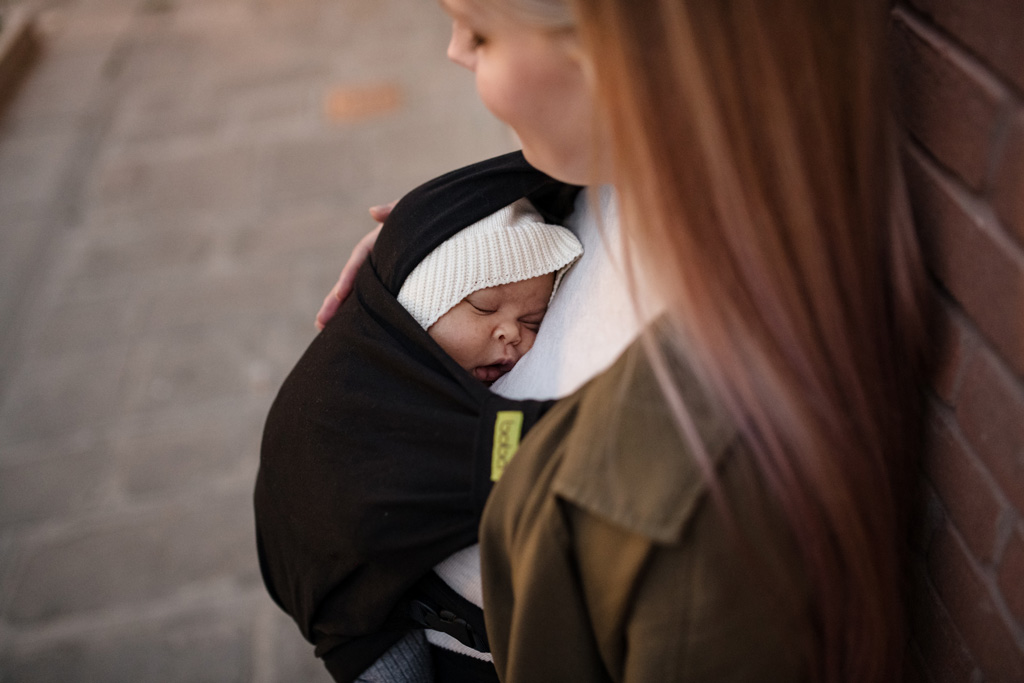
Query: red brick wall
{"x": 960, "y": 79}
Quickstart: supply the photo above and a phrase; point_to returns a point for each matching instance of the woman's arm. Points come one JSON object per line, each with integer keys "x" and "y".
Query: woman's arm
{"x": 703, "y": 609}
{"x": 343, "y": 287}
{"x": 593, "y": 601}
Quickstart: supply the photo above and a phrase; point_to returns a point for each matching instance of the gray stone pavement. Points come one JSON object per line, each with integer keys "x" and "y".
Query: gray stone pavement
{"x": 180, "y": 181}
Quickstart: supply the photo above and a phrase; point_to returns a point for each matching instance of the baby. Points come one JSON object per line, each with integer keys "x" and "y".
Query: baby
{"x": 383, "y": 442}
{"x": 483, "y": 293}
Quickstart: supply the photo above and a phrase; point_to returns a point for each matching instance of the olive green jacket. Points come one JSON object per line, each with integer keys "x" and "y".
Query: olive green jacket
{"x": 606, "y": 558}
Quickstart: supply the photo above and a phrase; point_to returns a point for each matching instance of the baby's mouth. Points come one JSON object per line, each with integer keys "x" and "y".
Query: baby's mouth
{"x": 489, "y": 373}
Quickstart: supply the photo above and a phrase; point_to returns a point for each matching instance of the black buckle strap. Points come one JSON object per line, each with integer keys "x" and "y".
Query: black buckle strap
{"x": 450, "y": 623}
{"x": 439, "y": 607}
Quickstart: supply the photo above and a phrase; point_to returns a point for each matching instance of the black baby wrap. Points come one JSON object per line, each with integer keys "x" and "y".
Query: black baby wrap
{"x": 376, "y": 456}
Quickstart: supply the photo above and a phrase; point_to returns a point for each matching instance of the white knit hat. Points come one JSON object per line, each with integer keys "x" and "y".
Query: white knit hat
{"x": 510, "y": 245}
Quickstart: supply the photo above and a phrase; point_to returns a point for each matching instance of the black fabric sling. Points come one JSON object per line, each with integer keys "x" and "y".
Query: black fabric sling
{"x": 377, "y": 453}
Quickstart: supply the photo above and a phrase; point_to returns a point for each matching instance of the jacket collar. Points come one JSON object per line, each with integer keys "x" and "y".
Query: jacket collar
{"x": 627, "y": 461}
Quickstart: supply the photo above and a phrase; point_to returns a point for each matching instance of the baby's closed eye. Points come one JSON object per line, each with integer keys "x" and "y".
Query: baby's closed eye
{"x": 532, "y": 322}
{"x": 479, "y": 308}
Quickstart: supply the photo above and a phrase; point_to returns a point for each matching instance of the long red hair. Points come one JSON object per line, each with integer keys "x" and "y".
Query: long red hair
{"x": 754, "y": 159}
{"x": 760, "y": 192}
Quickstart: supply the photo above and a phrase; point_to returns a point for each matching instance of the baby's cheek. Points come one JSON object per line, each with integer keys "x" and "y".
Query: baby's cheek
{"x": 529, "y": 336}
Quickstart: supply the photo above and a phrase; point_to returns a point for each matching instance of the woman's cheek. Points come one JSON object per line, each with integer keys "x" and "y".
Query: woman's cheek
{"x": 493, "y": 86}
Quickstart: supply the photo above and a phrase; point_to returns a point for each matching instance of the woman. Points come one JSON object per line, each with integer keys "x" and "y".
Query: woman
{"x": 728, "y": 500}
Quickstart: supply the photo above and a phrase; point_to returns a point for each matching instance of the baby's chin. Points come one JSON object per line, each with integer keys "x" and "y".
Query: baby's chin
{"x": 489, "y": 373}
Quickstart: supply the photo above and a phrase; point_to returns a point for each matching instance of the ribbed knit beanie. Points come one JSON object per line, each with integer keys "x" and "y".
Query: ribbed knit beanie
{"x": 510, "y": 245}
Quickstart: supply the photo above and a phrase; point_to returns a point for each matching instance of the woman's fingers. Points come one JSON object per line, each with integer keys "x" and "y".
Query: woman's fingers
{"x": 328, "y": 308}
{"x": 380, "y": 213}
{"x": 343, "y": 287}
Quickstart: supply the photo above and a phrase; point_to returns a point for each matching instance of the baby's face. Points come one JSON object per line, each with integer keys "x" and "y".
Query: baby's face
{"x": 490, "y": 330}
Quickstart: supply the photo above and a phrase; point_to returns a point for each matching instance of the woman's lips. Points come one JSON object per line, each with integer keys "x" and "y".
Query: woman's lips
{"x": 489, "y": 373}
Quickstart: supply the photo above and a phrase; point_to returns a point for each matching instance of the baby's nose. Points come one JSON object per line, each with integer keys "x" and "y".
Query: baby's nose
{"x": 509, "y": 332}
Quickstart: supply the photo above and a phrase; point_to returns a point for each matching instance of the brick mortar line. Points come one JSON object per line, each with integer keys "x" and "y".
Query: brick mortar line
{"x": 978, "y": 207}
{"x": 998, "y": 143}
{"x": 990, "y": 580}
{"x": 949, "y": 45}
{"x": 957, "y": 55}
{"x": 931, "y": 594}
{"x": 968, "y": 333}
{"x": 1008, "y": 517}
{"x": 982, "y": 343}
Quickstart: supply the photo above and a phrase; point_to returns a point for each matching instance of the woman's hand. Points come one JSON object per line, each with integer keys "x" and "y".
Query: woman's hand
{"x": 343, "y": 287}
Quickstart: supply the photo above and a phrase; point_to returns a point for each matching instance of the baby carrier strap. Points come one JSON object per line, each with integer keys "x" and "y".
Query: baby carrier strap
{"x": 495, "y": 447}
{"x": 440, "y": 607}
{"x": 433, "y": 212}
{"x": 379, "y": 451}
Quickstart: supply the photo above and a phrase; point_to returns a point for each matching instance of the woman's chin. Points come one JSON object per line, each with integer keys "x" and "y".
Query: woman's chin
{"x": 568, "y": 171}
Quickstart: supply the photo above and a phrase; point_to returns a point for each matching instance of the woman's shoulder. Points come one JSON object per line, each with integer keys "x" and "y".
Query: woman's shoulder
{"x": 629, "y": 459}
{"x": 617, "y": 450}
{"x": 610, "y": 504}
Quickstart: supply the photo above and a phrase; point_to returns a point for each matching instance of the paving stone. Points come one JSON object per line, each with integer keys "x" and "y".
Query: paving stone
{"x": 290, "y": 235}
{"x": 159, "y": 55}
{"x": 54, "y": 484}
{"x": 198, "y": 181}
{"x": 205, "y": 645}
{"x": 273, "y": 56}
{"x": 53, "y": 395}
{"x": 234, "y": 353}
{"x": 313, "y": 281}
{"x": 175, "y": 192}
{"x": 82, "y": 273}
{"x": 79, "y": 442}
{"x": 435, "y": 153}
{"x": 159, "y": 114}
{"x": 192, "y": 365}
{"x": 22, "y": 244}
{"x": 288, "y": 103}
{"x": 312, "y": 169}
{"x": 32, "y": 167}
{"x": 213, "y": 18}
{"x": 84, "y": 26}
{"x": 58, "y": 95}
{"x": 191, "y": 448}
{"x": 73, "y": 323}
{"x": 151, "y": 554}
{"x": 136, "y": 247}
{"x": 243, "y": 291}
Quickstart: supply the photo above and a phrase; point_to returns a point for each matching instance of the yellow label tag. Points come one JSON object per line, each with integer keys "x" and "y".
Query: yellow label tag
{"x": 508, "y": 427}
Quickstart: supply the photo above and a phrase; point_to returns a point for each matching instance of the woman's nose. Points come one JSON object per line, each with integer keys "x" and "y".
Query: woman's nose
{"x": 458, "y": 50}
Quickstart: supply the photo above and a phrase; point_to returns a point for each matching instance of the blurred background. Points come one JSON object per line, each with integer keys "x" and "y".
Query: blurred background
{"x": 180, "y": 183}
